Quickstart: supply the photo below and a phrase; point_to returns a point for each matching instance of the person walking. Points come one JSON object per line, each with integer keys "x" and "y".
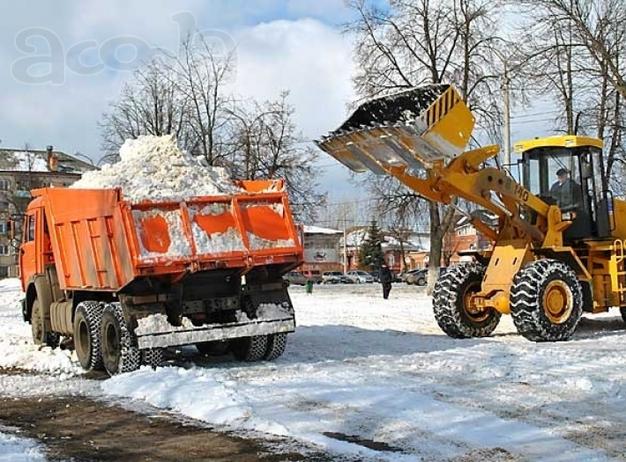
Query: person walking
{"x": 385, "y": 278}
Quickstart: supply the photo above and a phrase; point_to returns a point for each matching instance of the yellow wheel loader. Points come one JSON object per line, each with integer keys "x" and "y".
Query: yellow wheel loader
{"x": 558, "y": 248}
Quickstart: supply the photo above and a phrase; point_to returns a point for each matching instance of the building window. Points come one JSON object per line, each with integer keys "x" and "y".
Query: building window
{"x": 4, "y": 271}
{"x": 4, "y": 184}
{"x": 3, "y": 227}
{"x": 4, "y": 250}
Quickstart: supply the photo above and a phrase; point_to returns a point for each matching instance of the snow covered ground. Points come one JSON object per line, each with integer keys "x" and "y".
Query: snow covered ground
{"x": 16, "y": 449}
{"x": 366, "y": 378}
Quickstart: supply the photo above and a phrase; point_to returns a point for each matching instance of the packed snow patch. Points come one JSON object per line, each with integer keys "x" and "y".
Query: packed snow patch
{"x": 16, "y": 346}
{"x": 16, "y": 449}
{"x": 155, "y": 168}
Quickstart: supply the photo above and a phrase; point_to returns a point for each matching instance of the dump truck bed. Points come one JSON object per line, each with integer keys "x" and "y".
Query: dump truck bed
{"x": 99, "y": 241}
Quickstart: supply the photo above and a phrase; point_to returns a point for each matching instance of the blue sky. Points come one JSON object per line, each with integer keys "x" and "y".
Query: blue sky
{"x": 289, "y": 44}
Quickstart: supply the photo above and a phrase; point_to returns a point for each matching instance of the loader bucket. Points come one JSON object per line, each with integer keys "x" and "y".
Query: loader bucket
{"x": 414, "y": 129}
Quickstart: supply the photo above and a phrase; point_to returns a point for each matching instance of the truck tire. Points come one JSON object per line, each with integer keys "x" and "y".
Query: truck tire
{"x": 250, "y": 348}
{"x": 87, "y": 321}
{"x": 153, "y": 357}
{"x": 275, "y": 346}
{"x": 41, "y": 336}
{"x": 450, "y": 303}
{"x": 546, "y": 301}
{"x": 119, "y": 350}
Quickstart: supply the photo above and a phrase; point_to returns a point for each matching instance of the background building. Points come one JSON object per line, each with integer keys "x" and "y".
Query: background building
{"x": 22, "y": 170}
{"x": 322, "y": 249}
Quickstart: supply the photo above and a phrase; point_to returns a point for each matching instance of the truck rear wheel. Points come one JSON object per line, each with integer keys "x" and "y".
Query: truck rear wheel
{"x": 546, "y": 301}
{"x": 87, "y": 321}
{"x": 153, "y": 357}
{"x": 275, "y": 346}
{"x": 41, "y": 336}
{"x": 119, "y": 351}
{"x": 250, "y": 348}
{"x": 451, "y": 303}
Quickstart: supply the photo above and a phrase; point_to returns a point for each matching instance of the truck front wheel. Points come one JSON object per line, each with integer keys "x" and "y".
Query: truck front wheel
{"x": 119, "y": 352}
{"x": 87, "y": 321}
{"x": 41, "y": 336}
{"x": 452, "y": 303}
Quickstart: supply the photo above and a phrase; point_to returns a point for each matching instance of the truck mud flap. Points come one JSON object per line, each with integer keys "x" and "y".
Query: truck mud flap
{"x": 179, "y": 336}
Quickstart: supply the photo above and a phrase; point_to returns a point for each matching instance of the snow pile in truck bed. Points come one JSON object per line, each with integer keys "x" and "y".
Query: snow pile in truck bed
{"x": 155, "y": 168}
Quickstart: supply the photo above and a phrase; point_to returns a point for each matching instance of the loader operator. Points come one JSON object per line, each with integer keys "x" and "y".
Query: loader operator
{"x": 565, "y": 191}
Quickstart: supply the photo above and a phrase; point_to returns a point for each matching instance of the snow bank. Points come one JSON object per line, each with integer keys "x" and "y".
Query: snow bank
{"x": 16, "y": 449}
{"x": 154, "y": 168}
{"x": 16, "y": 346}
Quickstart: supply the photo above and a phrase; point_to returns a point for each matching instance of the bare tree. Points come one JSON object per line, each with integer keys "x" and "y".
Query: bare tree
{"x": 267, "y": 145}
{"x": 419, "y": 42}
{"x": 149, "y": 104}
{"x": 598, "y": 25}
{"x": 201, "y": 74}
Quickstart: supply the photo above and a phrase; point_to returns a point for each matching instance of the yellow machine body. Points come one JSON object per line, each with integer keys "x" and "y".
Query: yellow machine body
{"x": 427, "y": 154}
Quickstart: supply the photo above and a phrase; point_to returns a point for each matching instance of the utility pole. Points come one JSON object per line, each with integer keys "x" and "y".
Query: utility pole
{"x": 507, "y": 116}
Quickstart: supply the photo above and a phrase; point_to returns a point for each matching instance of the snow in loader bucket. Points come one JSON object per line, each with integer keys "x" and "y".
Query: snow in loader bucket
{"x": 411, "y": 129}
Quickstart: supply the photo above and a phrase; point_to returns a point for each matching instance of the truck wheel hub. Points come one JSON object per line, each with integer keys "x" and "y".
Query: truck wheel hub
{"x": 558, "y": 302}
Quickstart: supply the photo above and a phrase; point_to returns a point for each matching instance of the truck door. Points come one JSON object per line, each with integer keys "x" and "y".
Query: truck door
{"x": 28, "y": 250}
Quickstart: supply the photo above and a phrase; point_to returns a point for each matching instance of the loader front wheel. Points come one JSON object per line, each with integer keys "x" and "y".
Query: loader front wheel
{"x": 87, "y": 321}
{"x": 119, "y": 350}
{"x": 546, "y": 301}
{"x": 452, "y": 305}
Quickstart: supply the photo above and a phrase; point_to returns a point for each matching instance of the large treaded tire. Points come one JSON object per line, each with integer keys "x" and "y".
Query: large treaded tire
{"x": 87, "y": 320}
{"x": 153, "y": 357}
{"x": 622, "y": 311}
{"x": 527, "y": 301}
{"x": 250, "y": 348}
{"x": 276, "y": 345}
{"x": 119, "y": 350}
{"x": 41, "y": 336}
{"x": 449, "y": 303}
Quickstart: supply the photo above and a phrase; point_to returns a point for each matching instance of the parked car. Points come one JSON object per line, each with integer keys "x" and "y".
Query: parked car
{"x": 375, "y": 275}
{"x": 314, "y": 275}
{"x": 360, "y": 277}
{"x": 336, "y": 277}
{"x": 417, "y": 277}
{"x": 295, "y": 278}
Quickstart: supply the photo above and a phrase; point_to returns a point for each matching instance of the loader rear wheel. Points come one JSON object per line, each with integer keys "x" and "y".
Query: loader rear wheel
{"x": 41, "y": 336}
{"x": 119, "y": 350}
{"x": 622, "y": 310}
{"x": 546, "y": 301}
{"x": 87, "y": 321}
{"x": 250, "y": 348}
{"x": 452, "y": 303}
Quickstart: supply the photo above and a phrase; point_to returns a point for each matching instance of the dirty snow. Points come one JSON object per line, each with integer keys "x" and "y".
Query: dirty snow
{"x": 360, "y": 371}
{"x": 154, "y": 168}
{"x": 16, "y": 449}
{"x": 179, "y": 245}
{"x": 258, "y": 243}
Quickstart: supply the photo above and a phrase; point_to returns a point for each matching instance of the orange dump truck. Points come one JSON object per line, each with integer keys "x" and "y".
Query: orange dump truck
{"x": 121, "y": 281}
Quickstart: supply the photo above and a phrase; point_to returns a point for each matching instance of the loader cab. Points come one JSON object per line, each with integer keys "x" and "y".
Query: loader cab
{"x": 568, "y": 171}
